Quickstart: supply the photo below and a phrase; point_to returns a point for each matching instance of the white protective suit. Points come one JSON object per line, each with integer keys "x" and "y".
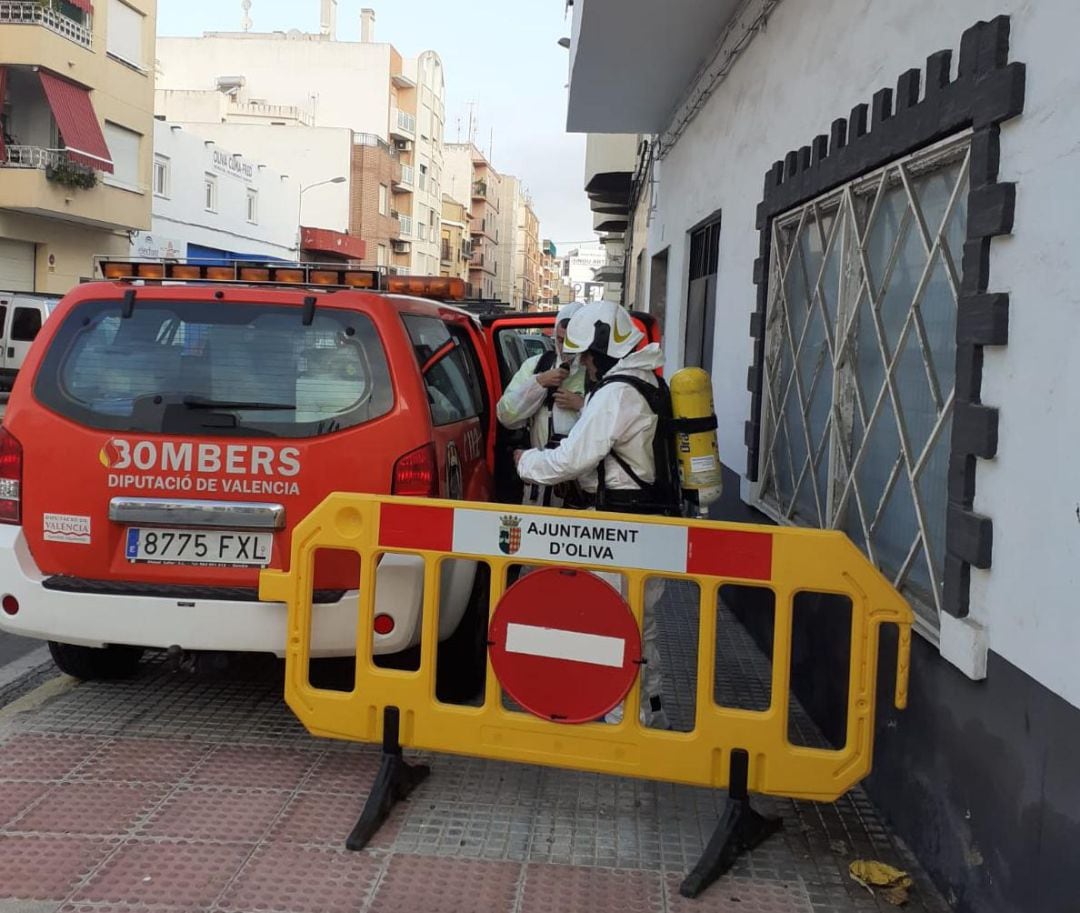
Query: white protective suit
{"x": 524, "y": 402}
{"x": 615, "y": 417}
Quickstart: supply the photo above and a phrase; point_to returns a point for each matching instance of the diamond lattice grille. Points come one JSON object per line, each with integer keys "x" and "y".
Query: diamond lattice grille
{"x": 858, "y": 386}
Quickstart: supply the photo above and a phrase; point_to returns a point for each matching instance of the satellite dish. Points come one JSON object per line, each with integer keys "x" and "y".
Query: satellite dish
{"x": 295, "y": 33}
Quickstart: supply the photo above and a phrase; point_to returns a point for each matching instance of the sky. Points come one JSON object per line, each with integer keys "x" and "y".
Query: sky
{"x": 500, "y": 55}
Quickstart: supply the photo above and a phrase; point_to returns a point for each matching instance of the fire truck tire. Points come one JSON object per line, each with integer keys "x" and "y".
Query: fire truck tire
{"x": 96, "y": 663}
{"x": 462, "y": 661}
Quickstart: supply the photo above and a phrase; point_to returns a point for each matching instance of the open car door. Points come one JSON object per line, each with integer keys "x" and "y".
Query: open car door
{"x": 506, "y": 333}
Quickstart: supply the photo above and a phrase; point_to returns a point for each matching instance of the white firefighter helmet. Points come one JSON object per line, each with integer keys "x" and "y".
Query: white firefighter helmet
{"x": 602, "y": 326}
{"x": 567, "y": 311}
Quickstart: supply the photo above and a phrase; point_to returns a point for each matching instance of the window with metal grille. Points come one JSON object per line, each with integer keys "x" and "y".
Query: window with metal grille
{"x": 860, "y": 364}
{"x": 701, "y": 295}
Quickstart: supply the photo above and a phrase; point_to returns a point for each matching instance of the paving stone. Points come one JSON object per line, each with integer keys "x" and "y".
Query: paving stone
{"x": 184, "y": 875}
{"x": 216, "y": 814}
{"x": 448, "y": 886}
{"x": 294, "y": 879}
{"x": 90, "y": 808}
{"x": 35, "y": 867}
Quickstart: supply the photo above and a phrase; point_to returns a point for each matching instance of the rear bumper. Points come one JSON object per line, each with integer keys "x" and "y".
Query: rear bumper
{"x": 96, "y": 619}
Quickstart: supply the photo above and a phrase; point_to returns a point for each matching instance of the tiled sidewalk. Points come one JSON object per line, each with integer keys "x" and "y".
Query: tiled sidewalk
{"x": 176, "y": 792}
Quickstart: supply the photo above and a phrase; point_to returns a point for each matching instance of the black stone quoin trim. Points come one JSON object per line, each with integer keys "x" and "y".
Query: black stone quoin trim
{"x": 986, "y": 91}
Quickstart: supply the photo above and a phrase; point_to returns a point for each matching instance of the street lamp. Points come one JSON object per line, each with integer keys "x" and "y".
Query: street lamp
{"x": 300, "y": 205}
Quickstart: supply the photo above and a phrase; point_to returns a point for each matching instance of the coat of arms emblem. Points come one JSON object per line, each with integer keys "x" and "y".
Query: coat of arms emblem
{"x": 509, "y": 534}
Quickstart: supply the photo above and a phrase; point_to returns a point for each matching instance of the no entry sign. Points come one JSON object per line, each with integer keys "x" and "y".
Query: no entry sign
{"x": 564, "y": 645}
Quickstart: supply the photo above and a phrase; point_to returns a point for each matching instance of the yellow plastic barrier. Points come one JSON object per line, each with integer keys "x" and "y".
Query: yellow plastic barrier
{"x": 728, "y": 748}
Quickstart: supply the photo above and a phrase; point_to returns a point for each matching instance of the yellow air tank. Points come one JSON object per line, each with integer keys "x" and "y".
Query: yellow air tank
{"x": 695, "y": 437}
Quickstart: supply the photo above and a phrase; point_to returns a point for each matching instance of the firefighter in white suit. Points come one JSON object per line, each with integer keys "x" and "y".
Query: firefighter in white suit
{"x": 609, "y": 451}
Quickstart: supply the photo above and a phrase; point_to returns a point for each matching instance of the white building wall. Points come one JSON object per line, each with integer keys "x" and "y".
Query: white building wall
{"x": 811, "y": 66}
{"x": 427, "y": 72}
{"x": 179, "y": 217}
{"x": 510, "y": 199}
{"x": 342, "y": 83}
{"x": 307, "y": 155}
{"x": 457, "y": 173}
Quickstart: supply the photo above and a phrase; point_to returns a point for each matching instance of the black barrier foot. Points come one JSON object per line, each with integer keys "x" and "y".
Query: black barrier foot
{"x": 740, "y": 829}
{"x": 395, "y": 780}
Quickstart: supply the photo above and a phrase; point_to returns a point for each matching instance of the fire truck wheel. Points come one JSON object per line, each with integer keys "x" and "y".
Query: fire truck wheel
{"x": 96, "y": 663}
{"x": 462, "y": 661}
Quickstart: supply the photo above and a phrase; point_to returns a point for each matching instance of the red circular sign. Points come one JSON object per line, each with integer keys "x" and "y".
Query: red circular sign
{"x": 564, "y": 645}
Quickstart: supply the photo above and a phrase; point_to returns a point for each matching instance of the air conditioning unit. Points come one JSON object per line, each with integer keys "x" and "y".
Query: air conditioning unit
{"x": 403, "y": 145}
{"x": 400, "y": 245}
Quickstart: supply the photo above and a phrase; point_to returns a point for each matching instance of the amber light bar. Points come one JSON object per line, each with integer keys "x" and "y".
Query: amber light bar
{"x": 319, "y": 274}
{"x": 443, "y": 287}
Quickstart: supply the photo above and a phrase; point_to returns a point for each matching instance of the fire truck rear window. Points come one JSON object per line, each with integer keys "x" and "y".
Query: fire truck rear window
{"x": 216, "y": 369}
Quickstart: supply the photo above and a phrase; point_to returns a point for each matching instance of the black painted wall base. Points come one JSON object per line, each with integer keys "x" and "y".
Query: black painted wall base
{"x": 980, "y": 779}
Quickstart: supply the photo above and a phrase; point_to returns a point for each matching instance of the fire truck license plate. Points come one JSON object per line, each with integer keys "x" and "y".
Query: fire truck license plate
{"x": 189, "y": 546}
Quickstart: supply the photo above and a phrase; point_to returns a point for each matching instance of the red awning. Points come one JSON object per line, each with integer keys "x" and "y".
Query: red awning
{"x": 77, "y": 121}
{"x": 3, "y": 80}
{"x": 85, "y": 5}
{"x": 337, "y": 244}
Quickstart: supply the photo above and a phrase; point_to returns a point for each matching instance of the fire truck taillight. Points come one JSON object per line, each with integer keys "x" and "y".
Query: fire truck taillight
{"x": 416, "y": 474}
{"x": 11, "y": 459}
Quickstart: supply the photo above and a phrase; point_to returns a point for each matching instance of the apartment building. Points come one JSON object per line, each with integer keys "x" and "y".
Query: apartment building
{"x": 549, "y": 295}
{"x": 76, "y": 117}
{"x": 367, "y": 87}
{"x": 527, "y": 258}
{"x": 469, "y": 173}
{"x": 456, "y": 249}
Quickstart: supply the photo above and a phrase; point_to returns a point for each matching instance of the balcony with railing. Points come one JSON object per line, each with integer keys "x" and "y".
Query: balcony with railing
{"x": 28, "y": 12}
{"x": 480, "y": 190}
{"x": 370, "y": 139}
{"x": 404, "y": 181}
{"x": 446, "y": 252}
{"x": 402, "y": 124}
{"x": 46, "y": 181}
{"x": 33, "y": 157}
{"x": 262, "y": 111}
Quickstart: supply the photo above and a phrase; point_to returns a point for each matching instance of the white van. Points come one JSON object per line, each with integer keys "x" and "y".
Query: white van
{"x": 21, "y": 317}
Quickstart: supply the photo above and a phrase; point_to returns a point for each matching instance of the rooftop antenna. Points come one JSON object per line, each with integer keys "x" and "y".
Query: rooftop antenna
{"x": 491, "y": 142}
{"x": 246, "y": 22}
{"x": 458, "y": 140}
{"x": 471, "y": 135}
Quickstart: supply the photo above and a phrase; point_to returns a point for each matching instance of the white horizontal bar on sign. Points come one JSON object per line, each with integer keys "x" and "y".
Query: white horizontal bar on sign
{"x": 584, "y": 538}
{"x": 574, "y": 646}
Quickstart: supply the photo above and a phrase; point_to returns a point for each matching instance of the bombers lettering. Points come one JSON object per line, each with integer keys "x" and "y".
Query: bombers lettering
{"x": 231, "y": 459}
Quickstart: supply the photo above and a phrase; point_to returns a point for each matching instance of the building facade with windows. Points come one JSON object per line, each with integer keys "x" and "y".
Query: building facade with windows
{"x": 456, "y": 250}
{"x": 367, "y": 87}
{"x": 215, "y": 203}
{"x": 855, "y": 223}
{"x": 470, "y": 175}
{"x": 550, "y": 292}
{"x": 76, "y": 116}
